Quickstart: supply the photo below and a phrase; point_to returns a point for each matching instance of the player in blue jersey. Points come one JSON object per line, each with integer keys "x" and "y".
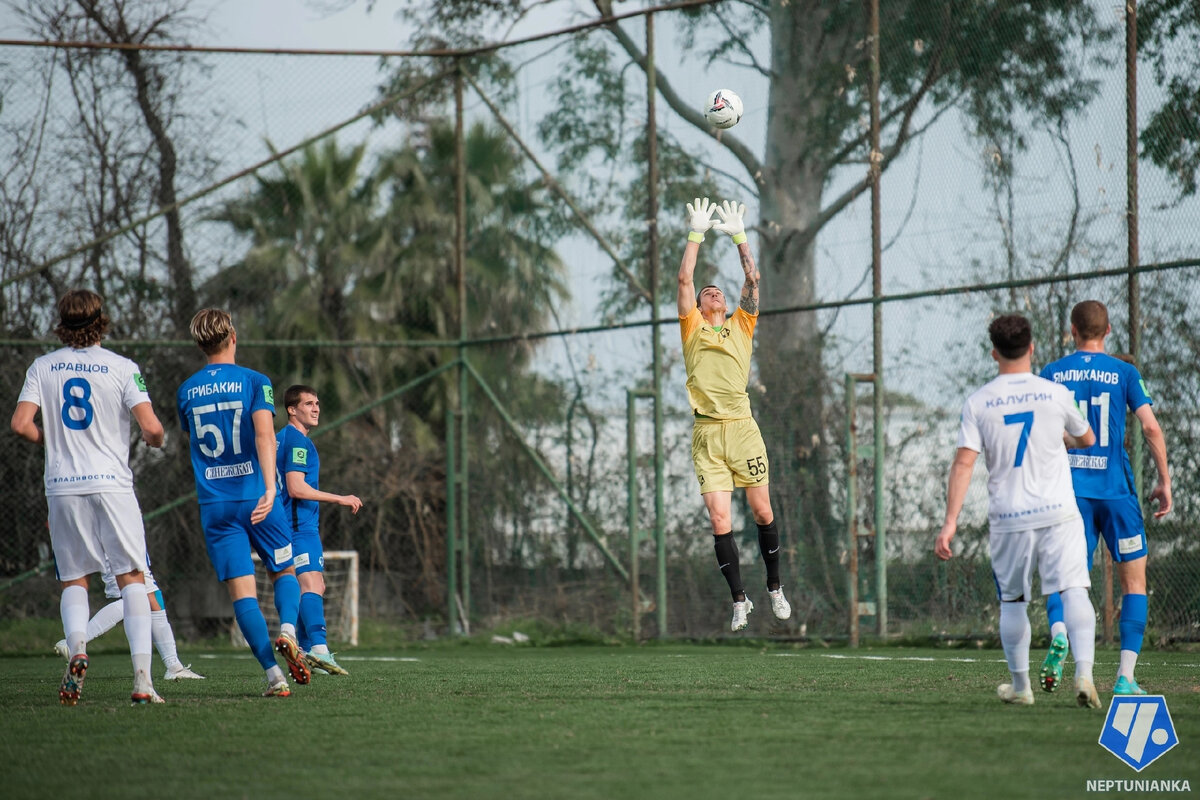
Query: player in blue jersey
{"x": 299, "y": 470}
{"x": 233, "y": 459}
{"x": 1104, "y": 387}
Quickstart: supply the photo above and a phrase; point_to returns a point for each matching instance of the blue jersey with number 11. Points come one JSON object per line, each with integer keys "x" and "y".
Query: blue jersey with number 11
{"x": 215, "y": 408}
{"x": 1104, "y": 387}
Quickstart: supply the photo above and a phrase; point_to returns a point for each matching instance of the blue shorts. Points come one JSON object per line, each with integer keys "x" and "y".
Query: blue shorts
{"x": 310, "y": 556}
{"x": 229, "y": 535}
{"x": 1119, "y": 521}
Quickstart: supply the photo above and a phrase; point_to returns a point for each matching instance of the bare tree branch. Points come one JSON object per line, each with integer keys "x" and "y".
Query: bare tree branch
{"x": 740, "y": 43}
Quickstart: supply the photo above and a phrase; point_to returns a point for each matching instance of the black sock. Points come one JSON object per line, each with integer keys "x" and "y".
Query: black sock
{"x": 768, "y": 545}
{"x": 727, "y": 560}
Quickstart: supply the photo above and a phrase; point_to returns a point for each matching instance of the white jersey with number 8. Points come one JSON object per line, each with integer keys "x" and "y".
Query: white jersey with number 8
{"x": 85, "y": 396}
{"x": 1017, "y": 421}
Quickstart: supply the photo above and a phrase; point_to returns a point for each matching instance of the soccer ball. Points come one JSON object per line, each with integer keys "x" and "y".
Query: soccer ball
{"x": 723, "y": 109}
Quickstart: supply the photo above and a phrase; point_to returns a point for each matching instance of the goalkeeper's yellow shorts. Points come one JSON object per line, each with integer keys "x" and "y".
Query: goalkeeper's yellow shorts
{"x": 728, "y": 453}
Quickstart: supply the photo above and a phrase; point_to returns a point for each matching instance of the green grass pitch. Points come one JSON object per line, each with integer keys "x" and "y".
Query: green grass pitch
{"x": 739, "y": 720}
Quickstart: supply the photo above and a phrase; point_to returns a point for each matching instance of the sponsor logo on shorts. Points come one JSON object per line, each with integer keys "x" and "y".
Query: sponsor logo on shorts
{"x": 301, "y": 560}
{"x": 283, "y": 553}
{"x": 229, "y": 471}
{"x": 1129, "y": 545}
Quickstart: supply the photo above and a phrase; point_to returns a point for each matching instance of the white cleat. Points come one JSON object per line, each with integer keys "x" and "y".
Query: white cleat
{"x": 182, "y": 671}
{"x": 780, "y": 607}
{"x": 152, "y": 698}
{"x": 61, "y": 648}
{"x": 740, "y": 613}
{"x": 1006, "y": 693}
{"x": 1085, "y": 694}
{"x": 143, "y": 690}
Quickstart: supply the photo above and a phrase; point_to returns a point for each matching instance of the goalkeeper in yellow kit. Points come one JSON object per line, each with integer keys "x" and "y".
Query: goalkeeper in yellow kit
{"x": 727, "y": 447}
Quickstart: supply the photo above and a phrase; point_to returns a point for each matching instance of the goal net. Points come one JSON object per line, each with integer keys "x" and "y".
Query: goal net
{"x": 341, "y": 598}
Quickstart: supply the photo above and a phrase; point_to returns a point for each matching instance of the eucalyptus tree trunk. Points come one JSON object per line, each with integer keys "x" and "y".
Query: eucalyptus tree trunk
{"x": 791, "y": 408}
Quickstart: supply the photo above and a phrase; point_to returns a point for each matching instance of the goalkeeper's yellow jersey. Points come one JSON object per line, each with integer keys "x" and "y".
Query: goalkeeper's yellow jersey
{"x": 718, "y": 363}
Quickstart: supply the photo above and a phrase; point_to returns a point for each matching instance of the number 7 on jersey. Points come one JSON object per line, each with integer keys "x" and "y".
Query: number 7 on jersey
{"x": 1025, "y": 420}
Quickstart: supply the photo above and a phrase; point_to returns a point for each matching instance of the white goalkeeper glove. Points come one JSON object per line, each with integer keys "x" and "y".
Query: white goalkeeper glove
{"x": 731, "y": 220}
{"x": 699, "y": 218}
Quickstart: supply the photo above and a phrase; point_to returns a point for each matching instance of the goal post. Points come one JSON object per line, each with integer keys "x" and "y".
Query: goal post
{"x": 341, "y": 598}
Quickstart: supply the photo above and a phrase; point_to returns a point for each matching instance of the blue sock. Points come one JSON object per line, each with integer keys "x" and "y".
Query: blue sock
{"x": 302, "y": 637}
{"x": 287, "y": 599}
{"x": 254, "y": 627}
{"x": 1054, "y": 612}
{"x": 1133, "y": 621}
{"x": 312, "y": 611}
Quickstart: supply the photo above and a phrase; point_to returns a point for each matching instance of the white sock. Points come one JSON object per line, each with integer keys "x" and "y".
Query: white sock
{"x": 1128, "y": 662}
{"x": 288, "y": 628}
{"x": 1015, "y": 635}
{"x": 274, "y": 674}
{"x": 105, "y": 620}
{"x": 1057, "y": 628}
{"x": 320, "y": 649}
{"x": 74, "y": 610}
{"x": 164, "y": 638}
{"x": 137, "y": 627}
{"x": 1020, "y": 681}
{"x": 1080, "y": 617}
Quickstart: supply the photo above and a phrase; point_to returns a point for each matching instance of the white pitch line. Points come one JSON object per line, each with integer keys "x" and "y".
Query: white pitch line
{"x": 344, "y": 658}
{"x": 1141, "y": 663}
{"x": 900, "y": 658}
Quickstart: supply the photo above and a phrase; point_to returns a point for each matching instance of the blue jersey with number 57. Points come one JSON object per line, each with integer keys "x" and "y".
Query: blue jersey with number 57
{"x": 215, "y": 408}
{"x": 1104, "y": 387}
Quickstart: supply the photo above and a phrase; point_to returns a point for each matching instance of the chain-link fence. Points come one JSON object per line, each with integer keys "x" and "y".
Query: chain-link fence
{"x": 341, "y": 262}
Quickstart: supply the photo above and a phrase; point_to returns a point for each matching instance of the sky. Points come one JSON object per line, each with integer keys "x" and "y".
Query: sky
{"x": 938, "y": 218}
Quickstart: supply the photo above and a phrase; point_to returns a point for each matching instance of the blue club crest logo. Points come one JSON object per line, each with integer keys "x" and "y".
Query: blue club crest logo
{"x": 1138, "y": 730}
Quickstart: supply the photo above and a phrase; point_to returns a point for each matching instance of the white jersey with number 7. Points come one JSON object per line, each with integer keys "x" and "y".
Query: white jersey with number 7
{"x": 1017, "y": 421}
{"x": 85, "y": 396}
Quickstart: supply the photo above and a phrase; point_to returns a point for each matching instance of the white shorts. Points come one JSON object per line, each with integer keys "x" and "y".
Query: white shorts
{"x": 1058, "y": 552}
{"x": 113, "y": 592}
{"x": 94, "y": 532}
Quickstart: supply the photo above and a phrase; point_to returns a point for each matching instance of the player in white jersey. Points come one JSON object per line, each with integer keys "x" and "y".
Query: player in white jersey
{"x": 161, "y": 632}
{"x": 86, "y": 395}
{"x": 1020, "y": 422}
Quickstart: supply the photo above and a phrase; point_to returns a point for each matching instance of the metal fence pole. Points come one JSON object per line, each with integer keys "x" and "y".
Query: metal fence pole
{"x": 1132, "y": 256}
{"x": 851, "y": 429}
{"x": 881, "y": 610}
{"x": 660, "y": 540}
{"x": 460, "y": 250}
{"x": 451, "y": 522}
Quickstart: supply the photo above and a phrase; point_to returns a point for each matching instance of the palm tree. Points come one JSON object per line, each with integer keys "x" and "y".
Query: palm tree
{"x": 339, "y": 252}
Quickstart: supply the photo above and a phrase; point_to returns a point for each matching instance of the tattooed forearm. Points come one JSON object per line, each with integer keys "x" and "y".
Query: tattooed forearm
{"x": 749, "y": 301}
